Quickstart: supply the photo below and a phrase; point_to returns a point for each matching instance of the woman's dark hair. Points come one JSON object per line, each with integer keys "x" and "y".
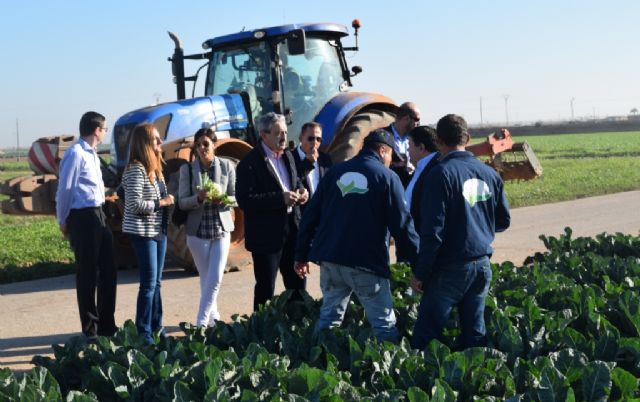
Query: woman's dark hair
{"x": 203, "y": 132}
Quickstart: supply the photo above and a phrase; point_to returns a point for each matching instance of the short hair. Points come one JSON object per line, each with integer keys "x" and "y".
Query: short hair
{"x": 426, "y": 136}
{"x": 267, "y": 121}
{"x": 308, "y": 125}
{"x": 452, "y": 130}
{"x": 89, "y": 122}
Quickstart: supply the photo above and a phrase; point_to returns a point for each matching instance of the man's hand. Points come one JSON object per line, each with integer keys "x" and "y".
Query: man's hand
{"x": 290, "y": 198}
{"x": 416, "y": 285}
{"x": 301, "y": 268}
{"x": 312, "y": 156}
{"x": 303, "y": 196}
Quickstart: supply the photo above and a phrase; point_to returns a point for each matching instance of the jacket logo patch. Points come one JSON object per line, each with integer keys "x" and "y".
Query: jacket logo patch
{"x": 352, "y": 183}
{"x": 475, "y": 190}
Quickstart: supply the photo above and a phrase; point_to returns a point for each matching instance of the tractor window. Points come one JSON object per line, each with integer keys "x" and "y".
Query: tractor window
{"x": 309, "y": 80}
{"x": 242, "y": 69}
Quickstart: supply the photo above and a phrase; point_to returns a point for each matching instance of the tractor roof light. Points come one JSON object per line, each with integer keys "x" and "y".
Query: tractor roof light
{"x": 259, "y": 34}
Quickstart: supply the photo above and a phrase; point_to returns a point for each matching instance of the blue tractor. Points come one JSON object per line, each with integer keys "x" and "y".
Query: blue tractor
{"x": 297, "y": 70}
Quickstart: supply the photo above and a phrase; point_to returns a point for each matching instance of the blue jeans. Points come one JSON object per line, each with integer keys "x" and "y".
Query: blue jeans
{"x": 464, "y": 285}
{"x": 374, "y": 293}
{"x": 150, "y": 254}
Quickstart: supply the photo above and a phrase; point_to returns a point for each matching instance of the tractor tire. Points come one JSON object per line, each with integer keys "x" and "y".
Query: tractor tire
{"x": 177, "y": 251}
{"x": 348, "y": 142}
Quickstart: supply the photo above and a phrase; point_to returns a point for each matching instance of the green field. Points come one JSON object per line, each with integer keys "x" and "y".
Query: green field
{"x": 575, "y": 166}
{"x": 579, "y": 165}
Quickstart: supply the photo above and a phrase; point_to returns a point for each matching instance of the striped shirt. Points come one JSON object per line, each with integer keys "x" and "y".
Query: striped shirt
{"x": 142, "y": 213}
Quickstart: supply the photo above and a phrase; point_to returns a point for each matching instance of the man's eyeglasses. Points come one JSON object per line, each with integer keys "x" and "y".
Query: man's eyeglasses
{"x": 105, "y": 129}
{"x": 313, "y": 139}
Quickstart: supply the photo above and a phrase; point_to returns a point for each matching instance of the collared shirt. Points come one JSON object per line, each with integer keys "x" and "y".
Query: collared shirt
{"x": 402, "y": 145}
{"x": 279, "y": 166}
{"x": 80, "y": 182}
{"x": 313, "y": 177}
{"x": 422, "y": 163}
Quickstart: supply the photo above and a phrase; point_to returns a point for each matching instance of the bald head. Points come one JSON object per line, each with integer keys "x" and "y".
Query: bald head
{"x": 407, "y": 118}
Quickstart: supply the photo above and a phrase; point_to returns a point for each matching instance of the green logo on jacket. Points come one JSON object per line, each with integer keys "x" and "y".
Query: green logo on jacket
{"x": 352, "y": 183}
{"x": 475, "y": 190}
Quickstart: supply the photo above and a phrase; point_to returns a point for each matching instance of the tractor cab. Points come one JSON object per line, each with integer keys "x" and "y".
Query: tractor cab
{"x": 292, "y": 69}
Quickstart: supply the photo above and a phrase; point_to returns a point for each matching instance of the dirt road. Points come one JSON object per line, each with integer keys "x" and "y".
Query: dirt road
{"x": 36, "y": 314}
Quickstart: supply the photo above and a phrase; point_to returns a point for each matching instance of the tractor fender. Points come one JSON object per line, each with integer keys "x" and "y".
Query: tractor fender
{"x": 336, "y": 113}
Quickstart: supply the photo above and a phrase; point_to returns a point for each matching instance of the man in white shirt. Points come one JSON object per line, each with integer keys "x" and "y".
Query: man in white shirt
{"x": 311, "y": 163}
{"x": 79, "y": 201}
{"x": 407, "y": 118}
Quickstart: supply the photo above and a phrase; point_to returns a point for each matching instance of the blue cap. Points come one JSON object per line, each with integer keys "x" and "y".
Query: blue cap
{"x": 380, "y": 136}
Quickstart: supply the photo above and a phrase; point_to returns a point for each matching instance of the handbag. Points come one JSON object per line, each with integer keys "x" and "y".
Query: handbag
{"x": 179, "y": 216}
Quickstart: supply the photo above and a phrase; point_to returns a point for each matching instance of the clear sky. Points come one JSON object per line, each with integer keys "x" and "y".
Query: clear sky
{"x": 62, "y": 58}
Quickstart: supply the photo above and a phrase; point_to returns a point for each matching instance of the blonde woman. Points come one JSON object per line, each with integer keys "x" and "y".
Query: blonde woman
{"x": 209, "y": 222}
{"x": 145, "y": 221}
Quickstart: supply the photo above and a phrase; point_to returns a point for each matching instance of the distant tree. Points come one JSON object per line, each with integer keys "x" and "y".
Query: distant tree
{"x": 634, "y": 111}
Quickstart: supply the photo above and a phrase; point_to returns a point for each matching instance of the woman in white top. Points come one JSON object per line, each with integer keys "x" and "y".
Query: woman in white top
{"x": 209, "y": 223}
{"x": 145, "y": 221}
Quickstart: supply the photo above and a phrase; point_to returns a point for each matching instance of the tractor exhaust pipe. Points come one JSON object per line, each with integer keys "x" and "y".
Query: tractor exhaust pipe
{"x": 177, "y": 66}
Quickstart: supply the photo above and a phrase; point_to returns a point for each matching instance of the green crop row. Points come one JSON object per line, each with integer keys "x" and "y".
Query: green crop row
{"x": 565, "y": 326}
{"x": 32, "y": 247}
{"x": 578, "y": 166}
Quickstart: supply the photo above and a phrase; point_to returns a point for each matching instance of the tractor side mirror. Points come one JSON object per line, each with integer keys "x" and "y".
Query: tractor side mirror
{"x": 356, "y": 70}
{"x": 296, "y": 42}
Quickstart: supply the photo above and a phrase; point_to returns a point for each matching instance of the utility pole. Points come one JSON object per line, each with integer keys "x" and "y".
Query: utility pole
{"x": 481, "y": 119}
{"x": 572, "y": 115}
{"x": 18, "y": 140}
{"x": 506, "y": 108}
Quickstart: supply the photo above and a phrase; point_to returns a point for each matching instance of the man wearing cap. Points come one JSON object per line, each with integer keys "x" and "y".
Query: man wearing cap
{"x": 464, "y": 208}
{"x": 407, "y": 118}
{"x": 345, "y": 229}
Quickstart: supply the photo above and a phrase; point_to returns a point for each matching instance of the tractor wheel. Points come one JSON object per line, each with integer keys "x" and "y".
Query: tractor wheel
{"x": 348, "y": 143}
{"x": 177, "y": 249}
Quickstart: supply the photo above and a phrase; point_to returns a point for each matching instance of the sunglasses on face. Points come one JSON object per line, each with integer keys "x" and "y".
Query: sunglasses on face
{"x": 313, "y": 139}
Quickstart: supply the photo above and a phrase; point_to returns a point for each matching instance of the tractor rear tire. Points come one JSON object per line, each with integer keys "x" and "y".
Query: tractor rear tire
{"x": 348, "y": 143}
{"x": 177, "y": 249}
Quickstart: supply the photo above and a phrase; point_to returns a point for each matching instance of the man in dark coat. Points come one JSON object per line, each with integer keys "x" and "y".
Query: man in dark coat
{"x": 464, "y": 205}
{"x": 270, "y": 193}
{"x": 346, "y": 230}
{"x": 311, "y": 163}
{"x": 423, "y": 151}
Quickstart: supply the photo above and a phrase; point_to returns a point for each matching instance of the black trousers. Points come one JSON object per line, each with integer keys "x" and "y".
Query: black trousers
{"x": 92, "y": 245}
{"x": 266, "y": 266}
